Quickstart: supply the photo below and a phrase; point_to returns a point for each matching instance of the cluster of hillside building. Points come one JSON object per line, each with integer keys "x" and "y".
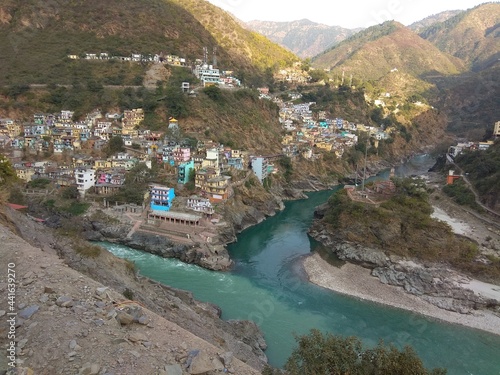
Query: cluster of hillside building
{"x": 208, "y": 165}
{"x": 208, "y": 74}
{"x": 308, "y": 133}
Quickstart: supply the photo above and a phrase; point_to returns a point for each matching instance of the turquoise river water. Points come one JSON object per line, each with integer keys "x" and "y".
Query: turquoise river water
{"x": 267, "y": 285}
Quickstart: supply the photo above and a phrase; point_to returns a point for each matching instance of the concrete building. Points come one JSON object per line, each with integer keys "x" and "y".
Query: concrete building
{"x": 207, "y": 74}
{"x": 183, "y": 171}
{"x": 496, "y": 130}
{"x": 85, "y": 179}
{"x": 259, "y": 167}
{"x": 161, "y": 197}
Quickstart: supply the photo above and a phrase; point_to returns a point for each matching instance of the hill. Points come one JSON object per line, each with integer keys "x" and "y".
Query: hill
{"x": 303, "y": 37}
{"x": 433, "y": 19}
{"x": 374, "y": 52}
{"x": 243, "y": 45}
{"x": 472, "y": 36}
{"x": 36, "y": 37}
{"x": 470, "y": 101}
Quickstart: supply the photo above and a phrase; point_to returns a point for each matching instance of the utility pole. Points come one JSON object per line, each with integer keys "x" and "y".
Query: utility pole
{"x": 364, "y": 169}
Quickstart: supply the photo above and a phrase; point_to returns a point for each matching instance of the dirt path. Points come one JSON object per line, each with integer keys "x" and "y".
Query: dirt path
{"x": 157, "y": 72}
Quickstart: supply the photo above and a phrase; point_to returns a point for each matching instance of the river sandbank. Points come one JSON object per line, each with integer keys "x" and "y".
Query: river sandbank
{"x": 356, "y": 281}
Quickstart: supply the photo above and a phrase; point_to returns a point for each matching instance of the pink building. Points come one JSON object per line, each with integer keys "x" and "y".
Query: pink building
{"x": 182, "y": 154}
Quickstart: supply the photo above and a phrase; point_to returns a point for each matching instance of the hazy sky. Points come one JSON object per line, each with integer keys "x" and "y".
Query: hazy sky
{"x": 346, "y": 13}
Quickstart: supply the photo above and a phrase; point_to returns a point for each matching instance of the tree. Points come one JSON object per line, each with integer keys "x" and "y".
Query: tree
{"x": 213, "y": 92}
{"x": 330, "y": 354}
{"x": 71, "y": 192}
{"x": 115, "y": 145}
{"x": 7, "y": 172}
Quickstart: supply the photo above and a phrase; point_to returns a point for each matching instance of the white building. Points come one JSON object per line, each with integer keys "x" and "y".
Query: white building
{"x": 259, "y": 167}
{"x": 207, "y": 74}
{"x": 85, "y": 179}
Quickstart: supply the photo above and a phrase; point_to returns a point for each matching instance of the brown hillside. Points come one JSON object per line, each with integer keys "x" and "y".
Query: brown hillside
{"x": 472, "y": 36}
{"x": 374, "y": 52}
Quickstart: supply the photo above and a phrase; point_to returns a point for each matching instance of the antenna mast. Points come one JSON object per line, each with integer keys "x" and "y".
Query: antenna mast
{"x": 215, "y": 56}
{"x": 205, "y": 55}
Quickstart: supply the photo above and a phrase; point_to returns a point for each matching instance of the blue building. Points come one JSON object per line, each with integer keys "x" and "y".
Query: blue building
{"x": 236, "y": 163}
{"x": 183, "y": 171}
{"x": 161, "y": 197}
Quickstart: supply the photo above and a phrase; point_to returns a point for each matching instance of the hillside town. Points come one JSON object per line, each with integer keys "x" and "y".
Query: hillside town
{"x": 68, "y": 152}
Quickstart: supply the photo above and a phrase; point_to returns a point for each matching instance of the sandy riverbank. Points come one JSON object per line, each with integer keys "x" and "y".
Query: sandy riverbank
{"x": 357, "y": 281}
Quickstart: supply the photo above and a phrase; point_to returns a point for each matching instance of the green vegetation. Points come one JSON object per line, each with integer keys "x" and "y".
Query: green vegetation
{"x": 114, "y": 146}
{"x": 70, "y": 192}
{"x": 461, "y": 194}
{"x": 7, "y": 172}
{"x": 128, "y": 294}
{"x": 39, "y": 183}
{"x": 483, "y": 170}
{"x": 88, "y": 250}
{"x": 40, "y": 36}
{"x": 319, "y": 353}
{"x": 368, "y": 35}
{"x": 76, "y": 208}
{"x": 343, "y": 102}
{"x": 16, "y": 196}
{"x": 286, "y": 163}
{"x": 402, "y": 225}
{"x": 135, "y": 186}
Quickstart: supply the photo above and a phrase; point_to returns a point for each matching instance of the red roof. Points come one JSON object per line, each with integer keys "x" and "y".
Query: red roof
{"x": 16, "y": 206}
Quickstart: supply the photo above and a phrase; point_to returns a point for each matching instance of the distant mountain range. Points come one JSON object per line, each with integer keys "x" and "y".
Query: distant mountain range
{"x": 307, "y": 39}
{"x": 454, "y": 63}
{"x": 303, "y": 37}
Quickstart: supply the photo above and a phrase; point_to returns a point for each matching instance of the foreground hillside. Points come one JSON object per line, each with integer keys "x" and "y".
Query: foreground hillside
{"x": 95, "y": 316}
{"x": 36, "y": 37}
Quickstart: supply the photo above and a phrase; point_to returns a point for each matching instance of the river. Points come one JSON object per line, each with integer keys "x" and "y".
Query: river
{"x": 267, "y": 285}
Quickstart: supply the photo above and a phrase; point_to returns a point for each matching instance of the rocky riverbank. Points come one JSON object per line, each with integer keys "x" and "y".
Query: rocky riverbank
{"x": 96, "y": 287}
{"x": 430, "y": 288}
{"x": 357, "y": 281}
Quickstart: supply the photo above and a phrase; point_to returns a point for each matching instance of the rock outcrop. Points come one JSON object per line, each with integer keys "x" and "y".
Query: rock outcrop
{"x": 435, "y": 283}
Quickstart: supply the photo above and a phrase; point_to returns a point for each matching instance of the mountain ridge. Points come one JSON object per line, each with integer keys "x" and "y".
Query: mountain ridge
{"x": 303, "y": 37}
{"x": 472, "y": 36}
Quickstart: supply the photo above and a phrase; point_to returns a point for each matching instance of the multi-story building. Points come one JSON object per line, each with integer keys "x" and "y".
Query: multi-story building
{"x": 496, "y": 130}
{"x": 183, "y": 171}
{"x": 85, "y": 179}
{"x": 132, "y": 118}
{"x": 200, "y": 205}
{"x": 161, "y": 197}
{"x": 217, "y": 189}
{"x": 181, "y": 154}
{"x": 204, "y": 174}
{"x": 207, "y": 74}
{"x": 259, "y": 167}
{"x": 212, "y": 158}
